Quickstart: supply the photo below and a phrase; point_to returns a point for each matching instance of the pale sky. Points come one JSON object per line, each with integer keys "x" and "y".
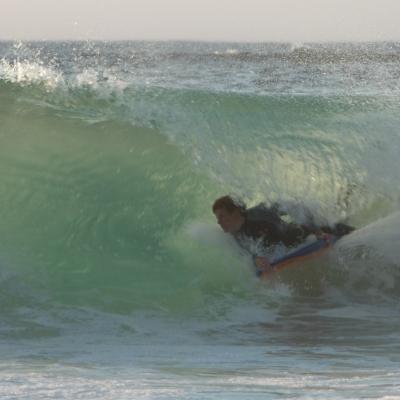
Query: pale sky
{"x": 209, "y": 20}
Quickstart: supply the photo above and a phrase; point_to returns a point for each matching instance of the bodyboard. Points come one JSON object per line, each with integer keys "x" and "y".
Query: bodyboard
{"x": 299, "y": 255}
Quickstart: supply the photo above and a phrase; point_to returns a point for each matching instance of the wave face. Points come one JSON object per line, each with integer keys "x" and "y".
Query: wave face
{"x": 112, "y": 153}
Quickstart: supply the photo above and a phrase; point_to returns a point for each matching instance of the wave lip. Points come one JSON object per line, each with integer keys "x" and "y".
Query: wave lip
{"x": 262, "y": 69}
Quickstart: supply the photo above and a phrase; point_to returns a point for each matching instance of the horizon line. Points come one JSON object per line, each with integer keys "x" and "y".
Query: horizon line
{"x": 341, "y": 41}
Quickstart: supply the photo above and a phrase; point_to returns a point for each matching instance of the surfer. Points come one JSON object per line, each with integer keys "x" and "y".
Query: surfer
{"x": 266, "y": 227}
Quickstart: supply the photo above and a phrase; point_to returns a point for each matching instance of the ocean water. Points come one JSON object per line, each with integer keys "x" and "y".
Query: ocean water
{"x": 116, "y": 282}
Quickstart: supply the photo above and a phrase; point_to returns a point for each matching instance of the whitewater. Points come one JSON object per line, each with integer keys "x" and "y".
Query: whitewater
{"x": 115, "y": 280}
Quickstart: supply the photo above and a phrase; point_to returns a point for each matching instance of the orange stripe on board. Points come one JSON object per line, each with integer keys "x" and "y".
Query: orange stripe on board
{"x": 292, "y": 262}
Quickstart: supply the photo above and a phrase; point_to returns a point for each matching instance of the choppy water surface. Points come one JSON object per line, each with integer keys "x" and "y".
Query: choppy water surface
{"x": 115, "y": 281}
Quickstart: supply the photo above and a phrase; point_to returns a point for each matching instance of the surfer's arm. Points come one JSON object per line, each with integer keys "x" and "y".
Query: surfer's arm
{"x": 263, "y": 267}
{"x": 262, "y": 263}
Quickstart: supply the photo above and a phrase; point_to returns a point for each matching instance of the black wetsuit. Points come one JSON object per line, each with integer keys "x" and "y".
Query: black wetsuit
{"x": 264, "y": 224}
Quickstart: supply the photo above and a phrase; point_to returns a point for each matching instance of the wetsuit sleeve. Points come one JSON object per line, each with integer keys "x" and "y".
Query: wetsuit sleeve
{"x": 264, "y": 223}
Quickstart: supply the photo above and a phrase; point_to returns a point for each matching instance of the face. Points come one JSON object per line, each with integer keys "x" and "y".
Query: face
{"x": 230, "y": 222}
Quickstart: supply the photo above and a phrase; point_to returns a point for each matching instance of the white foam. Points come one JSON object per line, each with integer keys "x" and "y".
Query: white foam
{"x": 208, "y": 234}
{"x": 24, "y": 72}
{"x": 383, "y": 236}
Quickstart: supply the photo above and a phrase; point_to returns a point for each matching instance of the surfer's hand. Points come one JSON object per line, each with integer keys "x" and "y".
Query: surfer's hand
{"x": 312, "y": 230}
{"x": 262, "y": 263}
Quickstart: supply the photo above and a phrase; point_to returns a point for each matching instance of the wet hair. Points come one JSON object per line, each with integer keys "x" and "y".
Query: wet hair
{"x": 230, "y": 204}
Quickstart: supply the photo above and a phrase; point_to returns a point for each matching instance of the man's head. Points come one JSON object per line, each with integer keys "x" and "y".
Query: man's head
{"x": 229, "y": 213}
